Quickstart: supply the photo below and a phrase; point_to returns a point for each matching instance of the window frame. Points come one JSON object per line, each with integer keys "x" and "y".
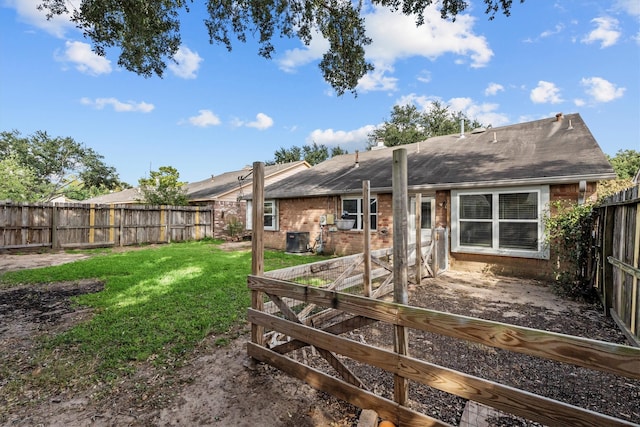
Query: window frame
{"x": 274, "y": 214}
{"x": 358, "y": 216}
{"x": 543, "y": 197}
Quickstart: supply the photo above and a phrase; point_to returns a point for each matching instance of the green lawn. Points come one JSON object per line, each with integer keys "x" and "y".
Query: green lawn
{"x": 157, "y": 304}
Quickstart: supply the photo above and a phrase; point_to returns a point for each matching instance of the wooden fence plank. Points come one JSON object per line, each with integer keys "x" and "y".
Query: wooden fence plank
{"x": 592, "y": 354}
{"x": 402, "y": 416}
{"x": 87, "y": 225}
{"x": 505, "y": 398}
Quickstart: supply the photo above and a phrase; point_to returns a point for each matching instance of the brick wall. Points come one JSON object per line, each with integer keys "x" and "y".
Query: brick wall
{"x": 223, "y": 212}
{"x": 303, "y": 214}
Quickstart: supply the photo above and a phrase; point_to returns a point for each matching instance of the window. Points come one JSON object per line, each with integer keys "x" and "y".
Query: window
{"x": 504, "y": 222}
{"x": 270, "y": 215}
{"x": 353, "y": 209}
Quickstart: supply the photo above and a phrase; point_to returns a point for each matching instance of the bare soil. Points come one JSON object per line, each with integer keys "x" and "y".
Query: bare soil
{"x": 220, "y": 386}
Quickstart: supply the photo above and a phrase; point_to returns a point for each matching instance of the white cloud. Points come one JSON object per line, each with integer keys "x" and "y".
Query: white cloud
{"x": 548, "y": 33}
{"x": 606, "y": 32}
{"x": 85, "y": 60}
{"x": 632, "y": 7}
{"x": 295, "y": 58}
{"x": 262, "y": 122}
{"x": 601, "y": 90}
{"x": 188, "y": 62}
{"x": 424, "y": 76}
{"x": 377, "y": 80}
{"x": 118, "y": 106}
{"x": 356, "y": 138}
{"x": 546, "y": 92}
{"x": 395, "y": 37}
{"x": 493, "y": 89}
{"x": 28, "y": 12}
{"x": 204, "y": 119}
{"x": 579, "y": 102}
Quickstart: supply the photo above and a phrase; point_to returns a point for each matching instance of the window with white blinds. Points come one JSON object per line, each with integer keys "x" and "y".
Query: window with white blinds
{"x": 505, "y": 222}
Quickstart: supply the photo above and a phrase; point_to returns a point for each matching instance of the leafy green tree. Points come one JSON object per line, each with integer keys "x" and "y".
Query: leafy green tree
{"x": 312, "y": 154}
{"x": 57, "y": 164}
{"x": 148, "y": 31}
{"x": 18, "y": 183}
{"x": 163, "y": 187}
{"x": 283, "y": 155}
{"x": 408, "y": 125}
{"x": 626, "y": 163}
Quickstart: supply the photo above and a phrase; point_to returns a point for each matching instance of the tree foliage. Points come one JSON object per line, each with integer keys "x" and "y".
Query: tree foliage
{"x": 626, "y": 163}
{"x": 54, "y": 166}
{"x": 408, "y": 125}
{"x": 163, "y": 187}
{"x": 147, "y": 32}
{"x": 312, "y": 154}
{"x": 18, "y": 183}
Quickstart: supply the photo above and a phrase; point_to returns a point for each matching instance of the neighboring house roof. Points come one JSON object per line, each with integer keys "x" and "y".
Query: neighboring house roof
{"x": 236, "y": 181}
{"x": 211, "y": 188}
{"x": 128, "y": 196}
{"x": 547, "y": 151}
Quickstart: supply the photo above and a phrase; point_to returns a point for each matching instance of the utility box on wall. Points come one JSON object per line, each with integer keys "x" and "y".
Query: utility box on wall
{"x": 297, "y": 242}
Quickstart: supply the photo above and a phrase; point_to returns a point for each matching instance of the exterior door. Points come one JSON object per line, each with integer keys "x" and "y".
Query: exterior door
{"x": 428, "y": 218}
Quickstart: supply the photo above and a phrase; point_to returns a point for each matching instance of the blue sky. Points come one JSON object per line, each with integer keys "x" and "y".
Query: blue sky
{"x": 217, "y": 111}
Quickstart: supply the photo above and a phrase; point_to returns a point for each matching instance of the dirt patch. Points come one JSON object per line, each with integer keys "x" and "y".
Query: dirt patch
{"x": 219, "y": 386}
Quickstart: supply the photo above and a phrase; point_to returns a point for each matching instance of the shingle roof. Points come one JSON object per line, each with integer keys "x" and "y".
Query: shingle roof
{"x": 207, "y": 189}
{"x": 544, "y": 151}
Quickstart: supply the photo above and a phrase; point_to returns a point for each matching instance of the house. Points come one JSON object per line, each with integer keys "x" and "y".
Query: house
{"x": 224, "y": 192}
{"x": 489, "y": 188}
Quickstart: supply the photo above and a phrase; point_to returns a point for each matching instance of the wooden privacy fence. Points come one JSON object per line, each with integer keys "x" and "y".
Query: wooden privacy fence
{"x": 77, "y": 225}
{"x": 299, "y": 316}
{"x": 617, "y": 248}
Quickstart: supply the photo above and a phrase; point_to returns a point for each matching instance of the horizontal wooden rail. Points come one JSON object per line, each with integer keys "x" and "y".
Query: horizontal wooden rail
{"x": 508, "y": 399}
{"x": 635, "y": 272}
{"x": 343, "y": 390}
{"x": 614, "y": 358}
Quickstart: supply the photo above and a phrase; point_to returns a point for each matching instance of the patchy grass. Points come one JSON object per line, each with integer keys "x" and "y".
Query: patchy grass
{"x": 157, "y": 304}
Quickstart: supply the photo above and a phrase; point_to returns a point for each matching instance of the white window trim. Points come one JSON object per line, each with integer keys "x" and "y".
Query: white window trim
{"x": 359, "y": 215}
{"x": 543, "y": 204}
{"x": 249, "y": 222}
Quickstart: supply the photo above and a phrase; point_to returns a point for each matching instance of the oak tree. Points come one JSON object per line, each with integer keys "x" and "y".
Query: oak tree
{"x": 147, "y": 32}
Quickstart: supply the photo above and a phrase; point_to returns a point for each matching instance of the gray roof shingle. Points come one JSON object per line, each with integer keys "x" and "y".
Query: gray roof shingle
{"x": 544, "y": 151}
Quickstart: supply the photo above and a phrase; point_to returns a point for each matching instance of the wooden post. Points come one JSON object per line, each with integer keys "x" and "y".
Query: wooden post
{"x": 163, "y": 227}
{"x": 418, "y": 238}
{"x": 257, "y": 246}
{"x": 607, "y": 251}
{"x": 92, "y": 223}
{"x": 112, "y": 222}
{"x": 197, "y": 223}
{"x": 54, "y": 227}
{"x": 636, "y": 264}
{"x": 121, "y": 227}
{"x": 400, "y": 205}
{"x": 24, "y": 222}
{"x": 366, "y": 225}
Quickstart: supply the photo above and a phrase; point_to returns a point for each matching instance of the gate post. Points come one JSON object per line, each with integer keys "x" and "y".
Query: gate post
{"x": 400, "y": 205}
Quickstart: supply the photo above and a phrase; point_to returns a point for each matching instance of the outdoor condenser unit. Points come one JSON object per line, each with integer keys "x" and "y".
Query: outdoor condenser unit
{"x": 297, "y": 242}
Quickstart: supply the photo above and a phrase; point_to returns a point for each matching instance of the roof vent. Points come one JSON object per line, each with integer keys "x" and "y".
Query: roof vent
{"x": 461, "y": 129}
{"x": 479, "y": 130}
{"x": 559, "y": 117}
{"x": 570, "y": 127}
